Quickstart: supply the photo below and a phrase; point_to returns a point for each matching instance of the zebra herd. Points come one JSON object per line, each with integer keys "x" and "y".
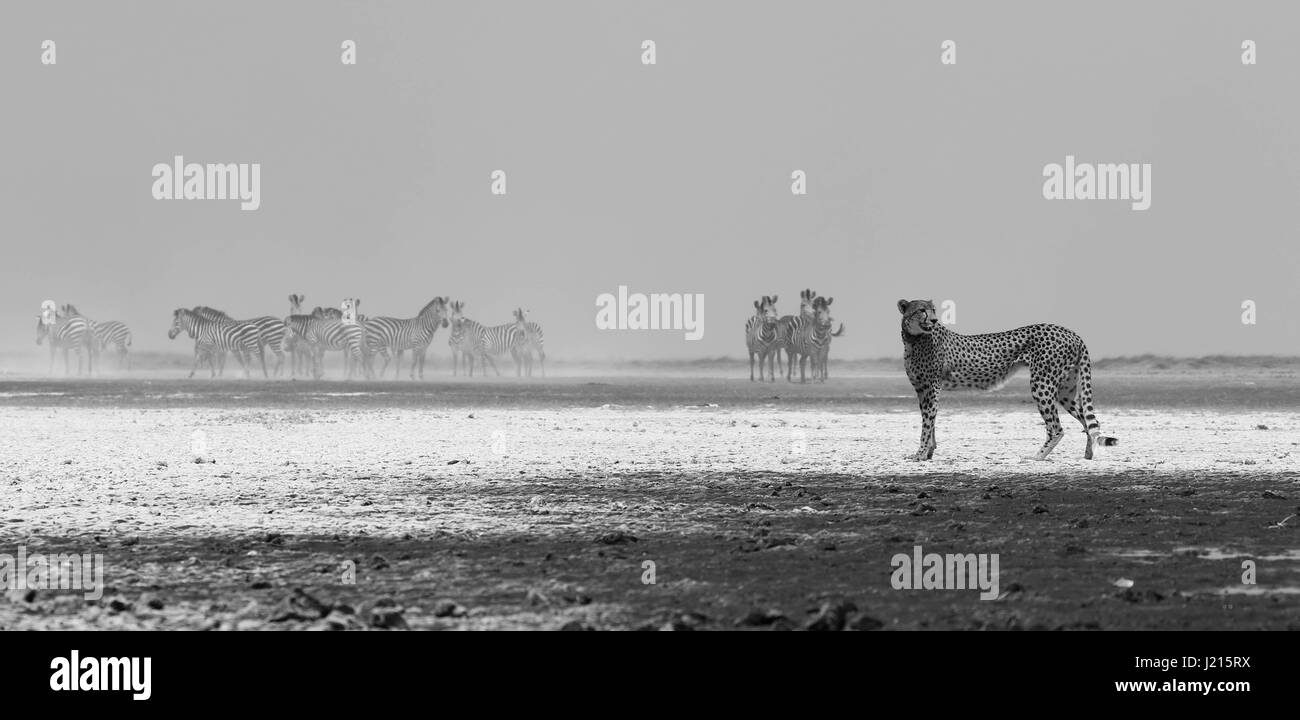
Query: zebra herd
{"x": 70, "y": 331}
{"x": 806, "y": 336}
{"x": 307, "y": 336}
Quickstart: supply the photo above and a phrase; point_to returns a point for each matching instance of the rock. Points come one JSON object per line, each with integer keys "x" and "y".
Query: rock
{"x": 866, "y": 622}
{"x": 685, "y": 621}
{"x": 21, "y": 596}
{"x": 151, "y": 601}
{"x": 832, "y": 616}
{"x": 387, "y": 616}
{"x": 616, "y": 537}
{"x": 535, "y": 598}
{"x": 299, "y": 606}
{"x": 117, "y": 603}
{"x": 449, "y": 608}
{"x": 759, "y": 618}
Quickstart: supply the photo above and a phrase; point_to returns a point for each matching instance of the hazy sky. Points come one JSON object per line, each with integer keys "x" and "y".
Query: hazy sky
{"x": 924, "y": 180}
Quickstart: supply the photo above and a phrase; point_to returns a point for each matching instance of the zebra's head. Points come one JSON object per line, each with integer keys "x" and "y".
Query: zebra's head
{"x": 438, "y": 308}
{"x": 295, "y": 304}
{"x": 919, "y": 316}
{"x": 806, "y": 300}
{"x": 182, "y": 319}
{"x": 765, "y": 309}
{"x": 822, "y": 311}
{"x": 457, "y": 313}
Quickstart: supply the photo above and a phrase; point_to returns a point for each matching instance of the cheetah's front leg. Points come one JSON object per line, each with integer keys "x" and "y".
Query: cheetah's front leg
{"x": 929, "y": 399}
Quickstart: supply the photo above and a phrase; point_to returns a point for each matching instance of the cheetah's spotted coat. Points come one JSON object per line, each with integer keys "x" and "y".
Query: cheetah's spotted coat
{"x": 1060, "y": 371}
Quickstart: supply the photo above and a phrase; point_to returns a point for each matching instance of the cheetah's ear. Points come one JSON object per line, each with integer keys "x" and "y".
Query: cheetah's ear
{"x": 902, "y": 306}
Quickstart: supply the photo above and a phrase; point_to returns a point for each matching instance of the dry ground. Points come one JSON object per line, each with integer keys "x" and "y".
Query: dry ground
{"x": 537, "y": 504}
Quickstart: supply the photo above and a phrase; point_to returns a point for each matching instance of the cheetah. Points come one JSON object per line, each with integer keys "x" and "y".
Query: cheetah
{"x": 1059, "y": 371}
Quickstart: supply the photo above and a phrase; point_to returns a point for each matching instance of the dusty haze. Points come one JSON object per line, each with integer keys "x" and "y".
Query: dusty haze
{"x": 924, "y": 180}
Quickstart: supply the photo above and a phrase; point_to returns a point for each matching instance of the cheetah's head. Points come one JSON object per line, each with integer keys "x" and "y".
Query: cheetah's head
{"x": 919, "y": 316}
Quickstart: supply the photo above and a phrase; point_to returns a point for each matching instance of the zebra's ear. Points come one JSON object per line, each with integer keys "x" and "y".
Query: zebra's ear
{"x": 773, "y": 299}
{"x": 829, "y": 301}
{"x": 902, "y": 306}
{"x": 755, "y": 304}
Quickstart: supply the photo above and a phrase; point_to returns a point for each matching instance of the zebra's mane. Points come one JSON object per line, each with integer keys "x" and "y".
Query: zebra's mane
{"x": 433, "y": 302}
{"x": 210, "y": 313}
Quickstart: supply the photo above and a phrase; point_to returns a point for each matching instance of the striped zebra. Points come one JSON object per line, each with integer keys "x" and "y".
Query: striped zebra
{"x": 68, "y": 332}
{"x": 528, "y": 340}
{"x": 790, "y": 326}
{"x": 461, "y": 347}
{"x": 300, "y": 356}
{"x": 761, "y": 337}
{"x": 486, "y": 342}
{"x": 397, "y": 335}
{"x": 813, "y": 340}
{"x": 270, "y": 331}
{"x": 324, "y": 330}
{"x": 112, "y": 333}
{"x": 215, "y": 335}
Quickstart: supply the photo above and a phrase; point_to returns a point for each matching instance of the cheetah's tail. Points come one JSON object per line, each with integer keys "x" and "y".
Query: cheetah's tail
{"x": 1083, "y": 390}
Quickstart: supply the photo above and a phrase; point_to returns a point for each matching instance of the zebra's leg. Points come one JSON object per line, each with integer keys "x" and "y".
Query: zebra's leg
{"x": 487, "y": 360}
{"x": 541, "y": 357}
{"x": 751, "y": 366}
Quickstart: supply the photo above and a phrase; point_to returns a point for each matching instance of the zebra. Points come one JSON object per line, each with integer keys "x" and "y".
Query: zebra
{"x": 814, "y": 339}
{"x": 270, "y": 331}
{"x": 324, "y": 330}
{"x": 115, "y": 334}
{"x": 461, "y": 347}
{"x": 299, "y": 353}
{"x": 385, "y": 334}
{"x": 528, "y": 339}
{"x": 68, "y": 332}
{"x": 215, "y": 335}
{"x": 761, "y": 337}
{"x": 790, "y": 326}
{"x": 486, "y": 342}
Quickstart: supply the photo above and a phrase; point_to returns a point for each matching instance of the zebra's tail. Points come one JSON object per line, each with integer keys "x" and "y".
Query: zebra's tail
{"x": 127, "y": 342}
{"x": 841, "y": 331}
